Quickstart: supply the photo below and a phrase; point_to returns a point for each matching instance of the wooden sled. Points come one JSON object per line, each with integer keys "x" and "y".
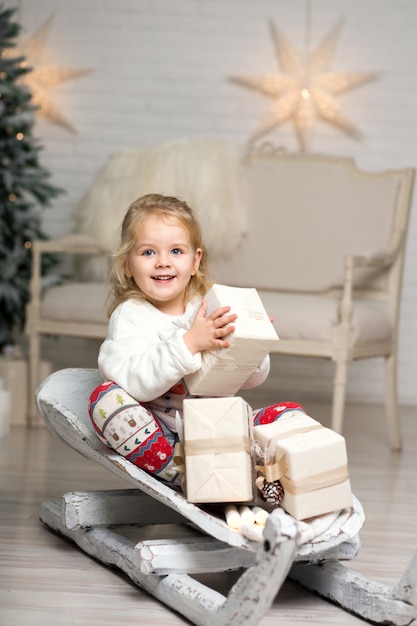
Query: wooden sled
{"x": 100, "y": 524}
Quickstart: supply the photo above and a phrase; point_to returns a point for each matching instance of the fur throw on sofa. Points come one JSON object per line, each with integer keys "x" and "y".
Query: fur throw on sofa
{"x": 203, "y": 172}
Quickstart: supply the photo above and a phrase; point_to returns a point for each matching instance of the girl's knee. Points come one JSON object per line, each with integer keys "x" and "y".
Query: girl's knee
{"x": 270, "y": 414}
{"x": 131, "y": 429}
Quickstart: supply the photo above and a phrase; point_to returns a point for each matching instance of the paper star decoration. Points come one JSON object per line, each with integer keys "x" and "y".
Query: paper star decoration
{"x": 305, "y": 90}
{"x": 42, "y": 78}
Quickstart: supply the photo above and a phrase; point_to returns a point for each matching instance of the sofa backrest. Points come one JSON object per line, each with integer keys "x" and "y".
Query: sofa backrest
{"x": 305, "y": 214}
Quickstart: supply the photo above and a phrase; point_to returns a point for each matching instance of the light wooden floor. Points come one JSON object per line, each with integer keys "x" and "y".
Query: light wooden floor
{"x": 45, "y": 579}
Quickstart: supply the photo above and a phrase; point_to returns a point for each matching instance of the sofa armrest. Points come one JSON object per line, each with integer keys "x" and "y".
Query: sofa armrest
{"x": 378, "y": 260}
{"x": 71, "y": 244}
{"x": 355, "y": 261}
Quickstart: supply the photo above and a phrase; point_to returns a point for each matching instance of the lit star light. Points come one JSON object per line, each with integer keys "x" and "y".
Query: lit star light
{"x": 43, "y": 77}
{"x": 305, "y": 90}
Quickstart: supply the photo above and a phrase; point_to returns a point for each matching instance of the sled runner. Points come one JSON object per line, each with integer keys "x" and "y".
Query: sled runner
{"x": 121, "y": 528}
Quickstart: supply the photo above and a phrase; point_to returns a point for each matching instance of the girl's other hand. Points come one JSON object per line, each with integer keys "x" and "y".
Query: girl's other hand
{"x": 211, "y": 332}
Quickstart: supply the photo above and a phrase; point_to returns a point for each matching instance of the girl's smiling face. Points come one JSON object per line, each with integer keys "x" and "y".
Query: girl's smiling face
{"x": 162, "y": 262}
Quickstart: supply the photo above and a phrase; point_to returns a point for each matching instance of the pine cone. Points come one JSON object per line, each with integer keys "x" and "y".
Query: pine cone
{"x": 272, "y": 492}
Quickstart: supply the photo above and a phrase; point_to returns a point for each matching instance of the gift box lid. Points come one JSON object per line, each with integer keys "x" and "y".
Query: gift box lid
{"x": 302, "y": 445}
{"x": 253, "y": 321}
{"x": 314, "y": 452}
{"x": 215, "y": 417}
{"x": 288, "y": 422}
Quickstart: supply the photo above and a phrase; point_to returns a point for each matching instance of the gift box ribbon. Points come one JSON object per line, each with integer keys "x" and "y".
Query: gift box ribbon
{"x": 318, "y": 481}
{"x": 214, "y": 445}
{"x": 311, "y": 483}
{"x": 273, "y": 471}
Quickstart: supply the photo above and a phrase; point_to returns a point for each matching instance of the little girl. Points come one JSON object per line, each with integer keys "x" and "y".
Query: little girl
{"x": 158, "y": 329}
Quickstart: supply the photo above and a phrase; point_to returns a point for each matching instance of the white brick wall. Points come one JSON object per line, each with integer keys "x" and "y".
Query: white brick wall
{"x": 160, "y": 73}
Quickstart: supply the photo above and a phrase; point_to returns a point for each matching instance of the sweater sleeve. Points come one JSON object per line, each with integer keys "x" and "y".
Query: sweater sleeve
{"x": 259, "y": 375}
{"x": 136, "y": 358}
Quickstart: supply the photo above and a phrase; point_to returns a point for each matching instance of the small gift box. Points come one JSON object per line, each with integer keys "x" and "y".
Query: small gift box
{"x": 309, "y": 460}
{"x": 223, "y": 372}
{"x": 218, "y": 463}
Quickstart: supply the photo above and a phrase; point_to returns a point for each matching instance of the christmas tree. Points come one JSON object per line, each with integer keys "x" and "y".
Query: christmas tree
{"x": 24, "y": 187}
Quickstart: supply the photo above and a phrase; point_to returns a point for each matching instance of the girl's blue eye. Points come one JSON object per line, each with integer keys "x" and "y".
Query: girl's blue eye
{"x": 176, "y": 251}
{"x": 147, "y": 252}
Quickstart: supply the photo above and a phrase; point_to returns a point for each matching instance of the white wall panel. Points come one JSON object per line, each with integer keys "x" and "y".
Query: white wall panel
{"x": 160, "y": 73}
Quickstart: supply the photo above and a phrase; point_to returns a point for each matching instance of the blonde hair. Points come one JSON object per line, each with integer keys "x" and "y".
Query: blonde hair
{"x": 123, "y": 288}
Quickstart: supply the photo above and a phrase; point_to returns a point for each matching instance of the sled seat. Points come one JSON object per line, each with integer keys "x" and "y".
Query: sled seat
{"x": 163, "y": 542}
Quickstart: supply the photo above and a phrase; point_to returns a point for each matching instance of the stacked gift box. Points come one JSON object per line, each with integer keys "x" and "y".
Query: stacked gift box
{"x": 224, "y": 453}
{"x": 309, "y": 460}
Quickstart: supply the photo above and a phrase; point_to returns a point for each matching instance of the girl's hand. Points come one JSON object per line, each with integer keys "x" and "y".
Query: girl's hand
{"x": 208, "y": 333}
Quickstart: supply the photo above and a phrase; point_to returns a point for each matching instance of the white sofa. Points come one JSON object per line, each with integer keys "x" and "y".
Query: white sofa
{"x": 323, "y": 243}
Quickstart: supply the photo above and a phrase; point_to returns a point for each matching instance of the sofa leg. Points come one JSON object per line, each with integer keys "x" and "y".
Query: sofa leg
{"x": 391, "y": 402}
{"x": 339, "y": 395}
{"x": 33, "y": 378}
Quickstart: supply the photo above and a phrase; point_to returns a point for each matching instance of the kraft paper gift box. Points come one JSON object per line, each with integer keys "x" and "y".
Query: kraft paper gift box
{"x": 310, "y": 461}
{"x": 224, "y": 371}
{"x": 218, "y": 463}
